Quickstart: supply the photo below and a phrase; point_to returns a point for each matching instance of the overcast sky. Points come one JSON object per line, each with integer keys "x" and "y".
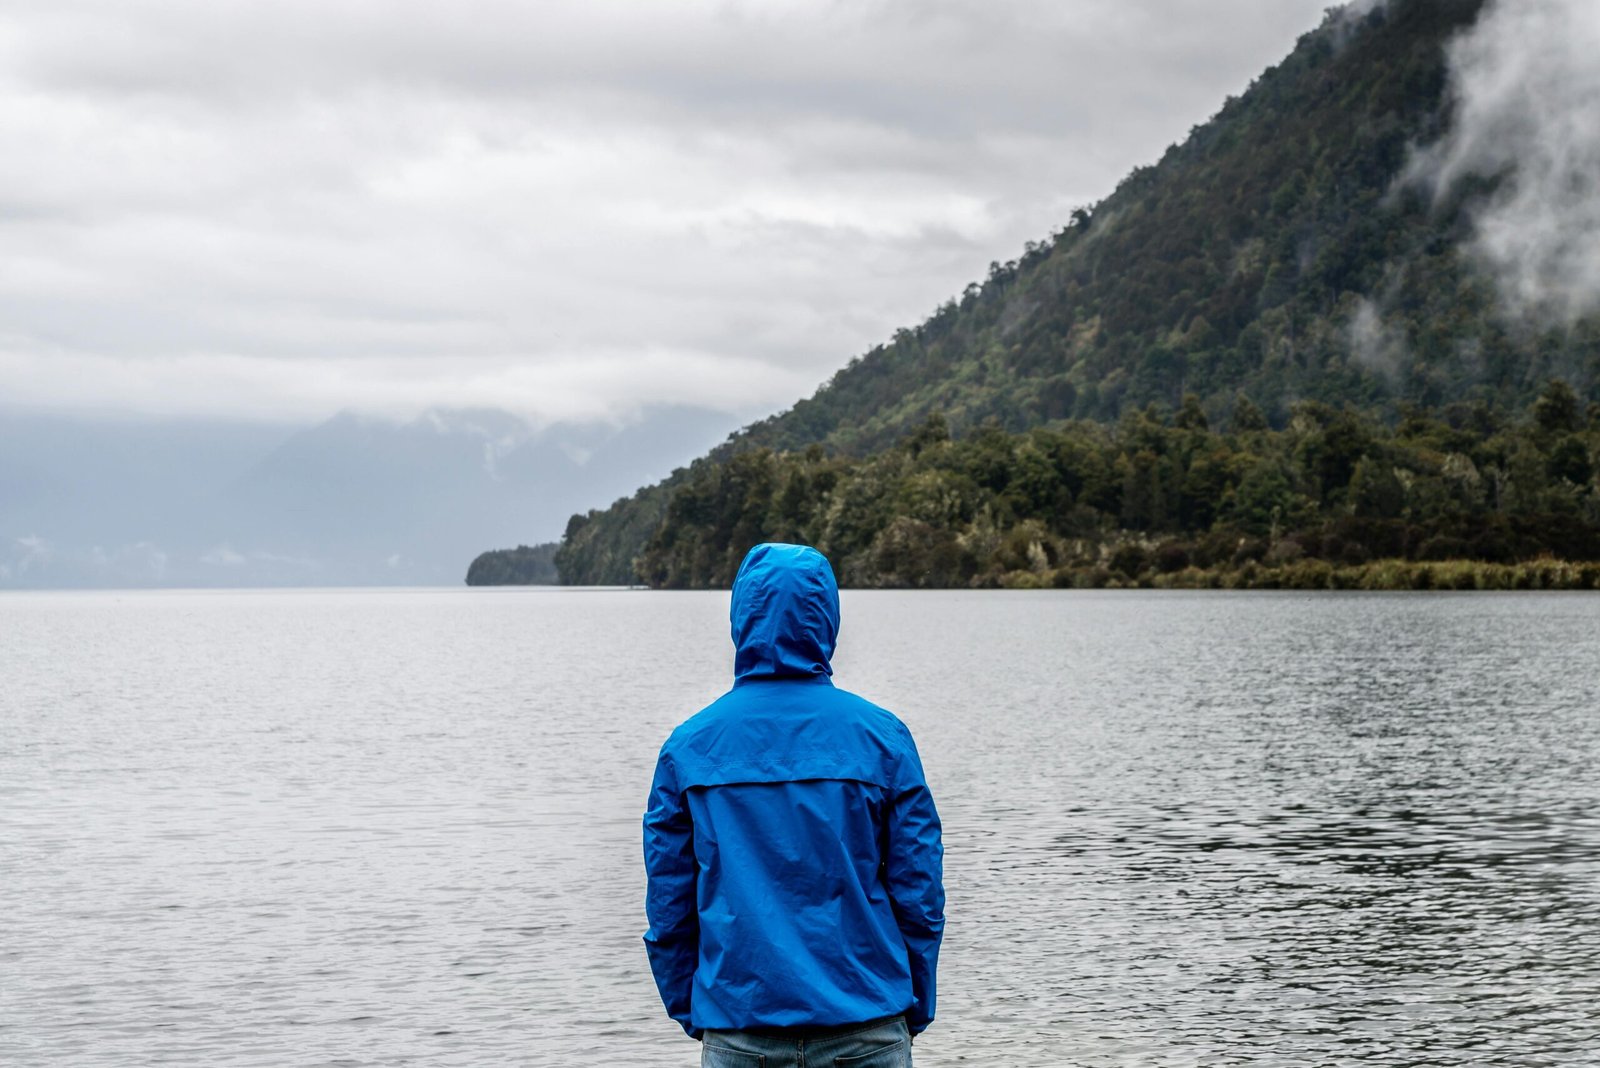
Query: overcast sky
{"x": 276, "y": 210}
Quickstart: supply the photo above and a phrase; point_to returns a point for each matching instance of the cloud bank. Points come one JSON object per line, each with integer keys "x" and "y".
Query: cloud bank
{"x": 1526, "y": 88}
{"x": 274, "y": 210}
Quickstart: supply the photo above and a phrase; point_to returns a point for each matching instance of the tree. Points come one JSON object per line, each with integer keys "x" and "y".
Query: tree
{"x": 1375, "y": 492}
{"x": 935, "y": 430}
{"x": 1569, "y": 460}
{"x": 1247, "y": 418}
{"x": 1264, "y": 497}
{"x": 1190, "y": 415}
{"x": 1557, "y": 410}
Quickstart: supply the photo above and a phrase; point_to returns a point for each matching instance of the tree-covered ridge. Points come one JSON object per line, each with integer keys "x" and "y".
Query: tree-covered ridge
{"x": 1275, "y": 256}
{"x": 602, "y": 547}
{"x": 1157, "y": 498}
{"x": 526, "y": 565}
{"x": 1273, "y": 252}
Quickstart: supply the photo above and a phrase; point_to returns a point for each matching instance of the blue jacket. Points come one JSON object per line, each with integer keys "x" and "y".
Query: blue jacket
{"x": 791, "y": 844}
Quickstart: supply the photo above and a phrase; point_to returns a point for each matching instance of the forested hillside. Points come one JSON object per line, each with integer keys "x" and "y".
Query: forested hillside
{"x": 1278, "y": 255}
{"x": 1334, "y": 499}
{"x": 526, "y": 565}
{"x": 1271, "y": 252}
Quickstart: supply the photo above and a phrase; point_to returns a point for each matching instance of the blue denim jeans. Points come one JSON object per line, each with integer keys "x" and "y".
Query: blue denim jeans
{"x": 884, "y": 1044}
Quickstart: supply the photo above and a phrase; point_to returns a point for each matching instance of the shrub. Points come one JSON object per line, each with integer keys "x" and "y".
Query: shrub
{"x": 1286, "y": 551}
{"x": 1443, "y": 547}
{"x": 1172, "y": 556}
{"x": 1131, "y": 560}
{"x": 1248, "y": 550}
{"x": 1308, "y": 575}
{"x": 1354, "y": 553}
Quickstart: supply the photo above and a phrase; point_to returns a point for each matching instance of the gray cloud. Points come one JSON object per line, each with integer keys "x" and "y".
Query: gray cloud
{"x": 271, "y": 211}
{"x": 1527, "y": 111}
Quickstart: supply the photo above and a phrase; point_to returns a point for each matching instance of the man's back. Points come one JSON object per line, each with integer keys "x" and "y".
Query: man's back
{"x": 791, "y": 842}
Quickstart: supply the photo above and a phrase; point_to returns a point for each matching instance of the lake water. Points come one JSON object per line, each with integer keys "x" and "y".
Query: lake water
{"x": 401, "y": 827}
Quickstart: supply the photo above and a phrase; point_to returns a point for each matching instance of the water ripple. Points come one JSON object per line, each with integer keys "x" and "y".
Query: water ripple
{"x": 401, "y": 827}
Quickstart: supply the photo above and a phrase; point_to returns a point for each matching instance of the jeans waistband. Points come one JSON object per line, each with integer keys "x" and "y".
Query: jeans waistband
{"x": 809, "y": 1033}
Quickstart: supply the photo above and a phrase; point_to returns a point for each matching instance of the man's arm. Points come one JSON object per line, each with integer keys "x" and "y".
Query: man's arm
{"x": 673, "y": 941}
{"x": 914, "y": 873}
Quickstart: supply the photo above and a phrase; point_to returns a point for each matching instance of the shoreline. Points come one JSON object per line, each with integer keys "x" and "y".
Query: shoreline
{"x": 1377, "y": 575}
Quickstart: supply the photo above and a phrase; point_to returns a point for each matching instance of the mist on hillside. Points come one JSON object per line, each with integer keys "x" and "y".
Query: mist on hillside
{"x": 1525, "y": 89}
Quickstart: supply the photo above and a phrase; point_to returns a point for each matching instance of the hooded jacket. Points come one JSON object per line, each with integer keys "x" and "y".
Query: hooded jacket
{"x": 791, "y": 843}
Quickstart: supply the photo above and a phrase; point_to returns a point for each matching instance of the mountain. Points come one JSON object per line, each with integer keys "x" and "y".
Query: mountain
{"x": 108, "y": 501}
{"x": 379, "y": 501}
{"x": 1324, "y": 239}
{"x": 354, "y": 500}
{"x": 1277, "y": 251}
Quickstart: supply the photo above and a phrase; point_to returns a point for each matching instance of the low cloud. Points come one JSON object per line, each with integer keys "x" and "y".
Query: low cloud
{"x": 224, "y": 555}
{"x": 1376, "y": 345}
{"x": 33, "y": 561}
{"x": 29, "y": 553}
{"x": 597, "y": 385}
{"x": 1526, "y": 96}
{"x": 143, "y": 559}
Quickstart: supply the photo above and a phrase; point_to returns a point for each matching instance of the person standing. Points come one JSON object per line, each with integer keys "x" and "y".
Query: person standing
{"x": 795, "y": 892}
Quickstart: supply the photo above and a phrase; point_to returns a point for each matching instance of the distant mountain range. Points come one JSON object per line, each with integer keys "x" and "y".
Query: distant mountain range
{"x": 355, "y": 500}
{"x": 1347, "y": 232}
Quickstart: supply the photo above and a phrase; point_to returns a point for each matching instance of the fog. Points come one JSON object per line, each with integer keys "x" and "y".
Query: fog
{"x": 1525, "y": 84}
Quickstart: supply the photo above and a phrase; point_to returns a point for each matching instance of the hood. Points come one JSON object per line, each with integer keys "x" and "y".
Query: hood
{"x": 785, "y": 613}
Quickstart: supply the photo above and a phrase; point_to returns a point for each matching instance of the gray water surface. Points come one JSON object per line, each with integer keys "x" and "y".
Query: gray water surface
{"x": 401, "y": 827}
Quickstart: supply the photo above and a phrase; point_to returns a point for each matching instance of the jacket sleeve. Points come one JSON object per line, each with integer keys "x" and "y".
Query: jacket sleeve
{"x": 673, "y": 940}
{"x": 914, "y": 872}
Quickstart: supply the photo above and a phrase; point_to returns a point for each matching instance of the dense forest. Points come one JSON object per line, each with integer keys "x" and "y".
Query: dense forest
{"x": 1335, "y": 499}
{"x": 1274, "y": 274}
{"x": 526, "y": 565}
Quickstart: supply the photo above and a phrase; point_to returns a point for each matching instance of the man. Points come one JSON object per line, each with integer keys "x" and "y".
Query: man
{"x": 795, "y": 895}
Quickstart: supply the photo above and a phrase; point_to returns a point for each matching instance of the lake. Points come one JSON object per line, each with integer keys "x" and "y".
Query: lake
{"x": 386, "y": 827}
